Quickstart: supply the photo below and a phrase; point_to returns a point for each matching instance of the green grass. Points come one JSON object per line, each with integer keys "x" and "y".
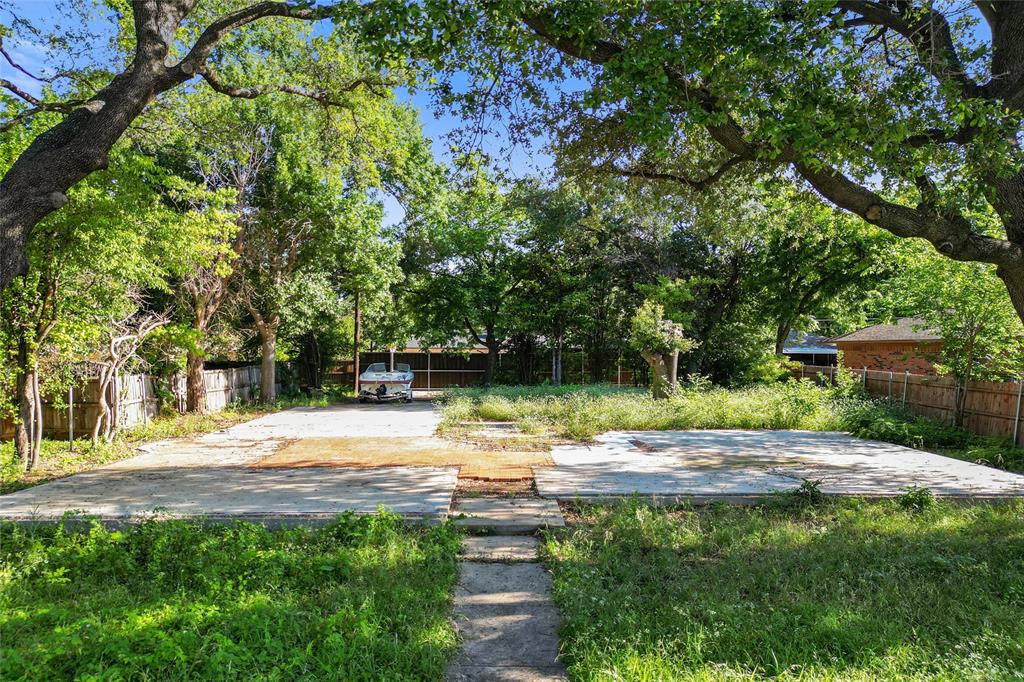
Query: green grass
{"x": 847, "y": 590}
{"x": 582, "y": 412}
{"x": 58, "y": 460}
{"x": 362, "y": 599}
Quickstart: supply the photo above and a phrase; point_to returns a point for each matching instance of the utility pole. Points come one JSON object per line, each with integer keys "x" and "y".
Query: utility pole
{"x": 356, "y": 339}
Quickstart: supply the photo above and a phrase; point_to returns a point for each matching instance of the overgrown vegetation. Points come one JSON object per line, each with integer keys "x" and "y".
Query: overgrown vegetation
{"x": 58, "y": 459}
{"x": 841, "y": 590}
{"x": 362, "y": 599}
{"x": 582, "y": 412}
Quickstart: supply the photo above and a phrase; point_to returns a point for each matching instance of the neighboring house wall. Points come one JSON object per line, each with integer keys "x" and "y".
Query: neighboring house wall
{"x": 895, "y": 356}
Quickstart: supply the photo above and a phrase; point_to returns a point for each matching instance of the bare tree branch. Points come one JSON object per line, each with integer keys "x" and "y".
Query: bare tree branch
{"x": 930, "y": 34}
{"x": 18, "y": 91}
{"x": 22, "y": 69}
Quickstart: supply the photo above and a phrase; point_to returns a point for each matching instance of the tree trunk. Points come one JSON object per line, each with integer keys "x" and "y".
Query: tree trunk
{"x": 781, "y": 334}
{"x": 660, "y": 378}
{"x": 102, "y": 406}
{"x": 195, "y": 384}
{"x": 492, "y": 362}
{"x": 268, "y": 364}
{"x": 674, "y": 377}
{"x": 598, "y": 365}
{"x": 357, "y": 324}
{"x": 26, "y": 401}
{"x": 558, "y": 363}
{"x": 1013, "y": 278}
{"x": 37, "y": 440}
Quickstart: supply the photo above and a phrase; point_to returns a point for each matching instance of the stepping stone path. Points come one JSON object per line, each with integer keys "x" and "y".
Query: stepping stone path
{"x": 508, "y": 515}
{"x": 504, "y": 615}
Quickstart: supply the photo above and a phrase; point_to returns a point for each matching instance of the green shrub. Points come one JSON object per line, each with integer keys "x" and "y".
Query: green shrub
{"x": 916, "y": 498}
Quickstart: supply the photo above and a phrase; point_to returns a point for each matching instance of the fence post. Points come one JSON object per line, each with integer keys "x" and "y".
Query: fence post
{"x": 428, "y": 369}
{"x": 802, "y": 371}
{"x": 864, "y": 378}
{"x": 906, "y": 378}
{"x": 956, "y": 403}
{"x": 890, "y": 387}
{"x": 1016, "y": 421}
{"x": 145, "y": 412}
{"x": 71, "y": 418}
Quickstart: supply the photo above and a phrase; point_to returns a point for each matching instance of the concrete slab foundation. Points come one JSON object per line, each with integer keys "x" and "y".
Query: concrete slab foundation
{"x": 746, "y": 464}
{"x": 237, "y": 492}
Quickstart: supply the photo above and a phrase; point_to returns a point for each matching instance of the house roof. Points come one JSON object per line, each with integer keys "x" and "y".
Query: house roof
{"x": 905, "y": 329}
{"x": 802, "y": 342}
{"x": 458, "y": 344}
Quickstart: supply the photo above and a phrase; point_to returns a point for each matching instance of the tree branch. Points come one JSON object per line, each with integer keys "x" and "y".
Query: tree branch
{"x": 930, "y": 35}
{"x": 8, "y": 85}
{"x": 62, "y": 107}
{"x": 214, "y": 80}
{"x": 215, "y": 32}
{"x": 698, "y": 184}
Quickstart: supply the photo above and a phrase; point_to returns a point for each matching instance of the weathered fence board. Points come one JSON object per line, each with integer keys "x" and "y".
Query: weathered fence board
{"x": 139, "y": 401}
{"x": 990, "y": 408}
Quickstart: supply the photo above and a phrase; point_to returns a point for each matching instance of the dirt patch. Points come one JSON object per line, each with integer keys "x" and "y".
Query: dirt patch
{"x": 473, "y": 462}
{"x": 469, "y": 488}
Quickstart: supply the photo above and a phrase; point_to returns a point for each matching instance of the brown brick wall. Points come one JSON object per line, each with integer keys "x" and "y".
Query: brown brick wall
{"x": 916, "y": 358}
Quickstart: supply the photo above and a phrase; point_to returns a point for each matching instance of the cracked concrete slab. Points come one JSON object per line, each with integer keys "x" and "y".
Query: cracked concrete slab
{"x": 210, "y": 476}
{"x": 237, "y": 492}
{"x": 736, "y": 463}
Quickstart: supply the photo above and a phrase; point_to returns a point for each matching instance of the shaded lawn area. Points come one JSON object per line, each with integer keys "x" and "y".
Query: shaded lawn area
{"x": 848, "y": 590}
{"x": 362, "y": 599}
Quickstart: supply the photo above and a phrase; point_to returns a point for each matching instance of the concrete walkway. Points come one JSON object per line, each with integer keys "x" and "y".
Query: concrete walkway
{"x": 747, "y": 464}
{"x": 504, "y": 615}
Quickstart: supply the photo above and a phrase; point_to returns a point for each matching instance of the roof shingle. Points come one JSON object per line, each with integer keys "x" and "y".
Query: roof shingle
{"x": 905, "y": 329}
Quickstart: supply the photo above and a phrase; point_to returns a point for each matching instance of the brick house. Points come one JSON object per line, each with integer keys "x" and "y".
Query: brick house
{"x": 907, "y": 345}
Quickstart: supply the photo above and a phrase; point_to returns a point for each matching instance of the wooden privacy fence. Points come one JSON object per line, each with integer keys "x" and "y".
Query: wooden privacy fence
{"x": 138, "y": 400}
{"x": 990, "y": 408}
{"x": 438, "y": 370}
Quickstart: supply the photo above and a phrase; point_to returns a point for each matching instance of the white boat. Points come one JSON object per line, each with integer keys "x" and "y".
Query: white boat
{"x": 380, "y": 384}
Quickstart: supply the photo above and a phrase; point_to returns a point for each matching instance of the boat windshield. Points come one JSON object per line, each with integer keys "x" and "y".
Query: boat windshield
{"x": 377, "y": 367}
{"x": 402, "y": 367}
